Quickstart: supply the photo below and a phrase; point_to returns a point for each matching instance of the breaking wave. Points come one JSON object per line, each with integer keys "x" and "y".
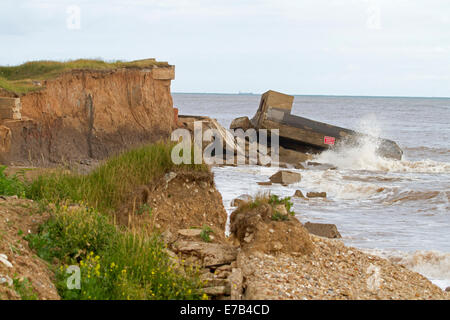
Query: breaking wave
{"x": 363, "y": 155}
{"x": 434, "y": 265}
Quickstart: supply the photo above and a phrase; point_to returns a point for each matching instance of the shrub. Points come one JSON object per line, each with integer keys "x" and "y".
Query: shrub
{"x": 206, "y": 231}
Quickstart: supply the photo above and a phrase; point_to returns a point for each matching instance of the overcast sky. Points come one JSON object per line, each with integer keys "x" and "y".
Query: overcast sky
{"x": 342, "y": 47}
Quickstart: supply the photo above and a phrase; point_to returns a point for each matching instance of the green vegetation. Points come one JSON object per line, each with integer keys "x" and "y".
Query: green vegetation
{"x": 272, "y": 200}
{"x": 205, "y": 234}
{"x": 114, "y": 263}
{"x": 13, "y": 184}
{"x": 144, "y": 209}
{"x": 19, "y": 79}
{"x": 107, "y": 187}
{"x": 24, "y": 288}
{"x": 275, "y": 200}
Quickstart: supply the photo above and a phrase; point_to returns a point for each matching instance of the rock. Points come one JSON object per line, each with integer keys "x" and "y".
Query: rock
{"x": 316, "y": 194}
{"x": 281, "y": 208}
{"x": 242, "y": 123}
{"x": 210, "y": 254}
{"x": 248, "y": 238}
{"x": 243, "y": 198}
{"x": 168, "y": 237}
{"x": 217, "y": 291}
{"x": 225, "y": 267}
{"x": 277, "y": 246}
{"x": 292, "y": 156}
{"x": 323, "y": 230}
{"x": 4, "y": 260}
{"x": 236, "y": 280}
{"x": 265, "y": 183}
{"x": 169, "y": 177}
{"x": 298, "y": 194}
{"x": 190, "y": 233}
{"x": 285, "y": 177}
{"x": 323, "y": 166}
{"x": 299, "y": 166}
{"x": 6, "y": 279}
{"x": 447, "y": 289}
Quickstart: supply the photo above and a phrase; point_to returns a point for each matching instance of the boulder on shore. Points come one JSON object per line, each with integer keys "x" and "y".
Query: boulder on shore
{"x": 241, "y": 123}
{"x": 298, "y": 194}
{"x": 208, "y": 254}
{"x": 285, "y": 177}
{"x": 316, "y": 194}
{"x": 323, "y": 230}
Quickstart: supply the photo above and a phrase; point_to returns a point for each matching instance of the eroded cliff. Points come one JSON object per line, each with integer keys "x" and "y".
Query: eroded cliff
{"x": 88, "y": 114}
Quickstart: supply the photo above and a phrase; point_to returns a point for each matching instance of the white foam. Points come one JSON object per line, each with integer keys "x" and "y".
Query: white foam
{"x": 363, "y": 155}
{"x": 433, "y": 264}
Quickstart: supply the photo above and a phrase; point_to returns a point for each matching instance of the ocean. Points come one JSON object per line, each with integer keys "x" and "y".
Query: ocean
{"x": 397, "y": 209}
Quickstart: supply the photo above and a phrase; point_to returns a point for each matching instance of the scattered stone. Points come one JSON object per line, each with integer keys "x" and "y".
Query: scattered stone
{"x": 190, "y": 233}
{"x": 248, "y": 238}
{"x": 241, "y": 123}
{"x": 316, "y": 194}
{"x": 298, "y": 194}
{"x": 292, "y": 156}
{"x": 6, "y": 279}
{"x": 217, "y": 291}
{"x": 277, "y": 246}
{"x": 225, "y": 267}
{"x": 169, "y": 177}
{"x": 285, "y": 177}
{"x": 210, "y": 254}
{"x": 236, "y": 279}
{"x": 323, "y": 230}
{"x": 299, "y": 166}
{"x": 4, "y": 260}
{"x": 324, "y": 166}
{"x": 281, "y": 208}
{"x": 265, "y": 183}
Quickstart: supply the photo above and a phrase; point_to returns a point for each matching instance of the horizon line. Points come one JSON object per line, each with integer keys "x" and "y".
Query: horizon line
{"x": 315, "y": 95}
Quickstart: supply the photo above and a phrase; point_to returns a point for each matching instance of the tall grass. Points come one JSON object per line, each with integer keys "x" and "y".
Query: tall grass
{"x": 13, "y": 184}
{"x": 108, "y": 186}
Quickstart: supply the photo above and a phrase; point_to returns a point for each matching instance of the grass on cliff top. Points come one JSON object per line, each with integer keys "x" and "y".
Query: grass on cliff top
{"x": 110, "y": 184}
{"x": 19, "y": 79}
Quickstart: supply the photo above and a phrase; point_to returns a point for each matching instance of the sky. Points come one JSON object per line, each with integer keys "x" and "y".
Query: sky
{"x": 325, "y": 47}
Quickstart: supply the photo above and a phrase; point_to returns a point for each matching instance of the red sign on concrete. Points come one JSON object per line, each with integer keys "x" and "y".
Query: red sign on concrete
{"x": 329, "y": 140}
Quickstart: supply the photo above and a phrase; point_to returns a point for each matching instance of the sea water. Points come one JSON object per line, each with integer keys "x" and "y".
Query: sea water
{"x": 398, "y": 209}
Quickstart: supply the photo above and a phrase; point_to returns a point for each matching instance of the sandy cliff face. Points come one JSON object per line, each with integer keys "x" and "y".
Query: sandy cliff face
{"x": 90, "y": 114}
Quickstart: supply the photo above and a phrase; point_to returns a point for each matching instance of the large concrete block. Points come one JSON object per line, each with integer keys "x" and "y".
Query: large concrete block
{"x": 10, "y": 108}
{"x": 165, "y": 73}
{"x": 278, "y": 100}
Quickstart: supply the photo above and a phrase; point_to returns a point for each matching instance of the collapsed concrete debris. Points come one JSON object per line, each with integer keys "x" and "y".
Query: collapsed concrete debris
{"x": 305, "y": 135}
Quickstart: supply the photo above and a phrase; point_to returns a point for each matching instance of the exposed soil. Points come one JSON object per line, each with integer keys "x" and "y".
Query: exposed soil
{"x": 257, "y": 231}
{"x": 180, "y": 200}
{"x": 18, "y": 217}
{"x": 103, "y": 113}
